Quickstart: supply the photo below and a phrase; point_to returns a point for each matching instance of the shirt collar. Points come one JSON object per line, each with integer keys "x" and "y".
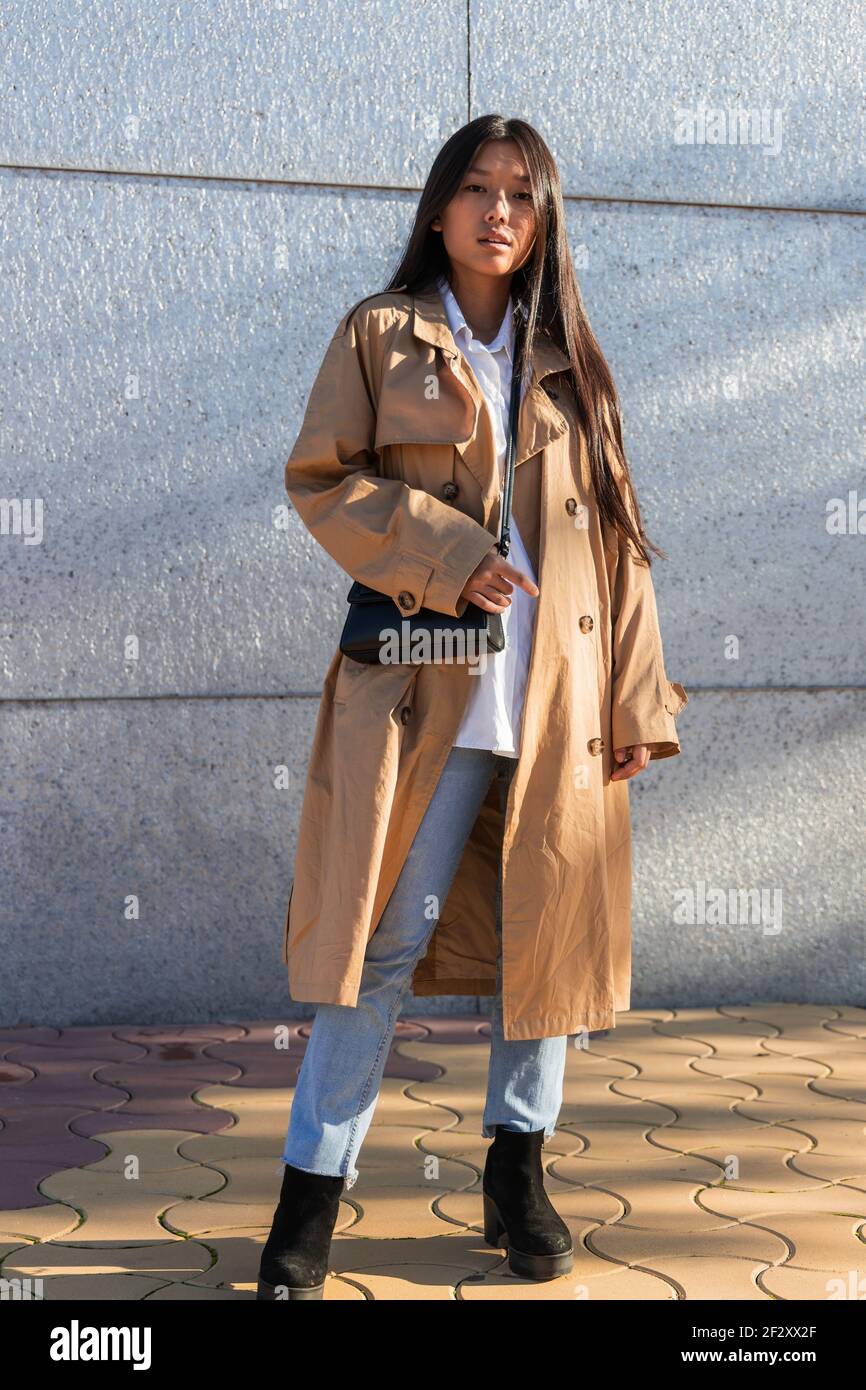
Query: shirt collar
{"x": 459, "y": 327}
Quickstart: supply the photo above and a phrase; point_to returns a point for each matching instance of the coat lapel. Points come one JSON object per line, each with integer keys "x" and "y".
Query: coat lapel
{"x": 457, "y": 412}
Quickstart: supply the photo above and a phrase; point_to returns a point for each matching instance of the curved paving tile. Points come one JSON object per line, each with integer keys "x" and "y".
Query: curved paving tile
{"x": 700, "y": 1153}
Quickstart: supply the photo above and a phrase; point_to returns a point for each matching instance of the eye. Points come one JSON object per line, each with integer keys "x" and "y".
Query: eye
{"x": 523, "y": 194}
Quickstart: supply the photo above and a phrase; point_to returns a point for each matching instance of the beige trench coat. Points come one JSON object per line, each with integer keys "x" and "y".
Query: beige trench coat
{"x": 394, "y": 420}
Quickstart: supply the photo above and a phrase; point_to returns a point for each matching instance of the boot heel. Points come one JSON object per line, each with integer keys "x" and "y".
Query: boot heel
{"x": 494, "y": 1227}
{"x": 264, "y": 1290}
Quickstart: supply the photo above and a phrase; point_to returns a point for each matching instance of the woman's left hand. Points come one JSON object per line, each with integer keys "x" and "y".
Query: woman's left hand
{"x": 632, "y": 760}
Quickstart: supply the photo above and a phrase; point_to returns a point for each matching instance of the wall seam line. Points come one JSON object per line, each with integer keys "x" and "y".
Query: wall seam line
{"x": 608, "y": 199}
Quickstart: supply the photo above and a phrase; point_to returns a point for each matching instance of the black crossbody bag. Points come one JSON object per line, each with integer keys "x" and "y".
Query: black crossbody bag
{"x": 370, "y": 612}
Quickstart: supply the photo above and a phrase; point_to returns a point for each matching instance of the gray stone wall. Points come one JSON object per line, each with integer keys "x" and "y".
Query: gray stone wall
{"x": 191, "y": 198}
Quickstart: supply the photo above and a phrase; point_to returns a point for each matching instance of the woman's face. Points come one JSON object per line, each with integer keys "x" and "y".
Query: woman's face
{"x": 493, "y": 199}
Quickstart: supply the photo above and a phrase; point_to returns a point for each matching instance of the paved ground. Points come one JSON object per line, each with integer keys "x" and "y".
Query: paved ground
{"x": 700, "y": 1154}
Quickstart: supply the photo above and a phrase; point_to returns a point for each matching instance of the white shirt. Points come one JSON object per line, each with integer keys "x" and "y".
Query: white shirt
{"x": 494, "y": 710}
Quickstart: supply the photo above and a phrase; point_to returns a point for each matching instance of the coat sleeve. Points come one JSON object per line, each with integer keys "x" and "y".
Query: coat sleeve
{"x": 644, "y": 703}
{"x": 397, "y": 539}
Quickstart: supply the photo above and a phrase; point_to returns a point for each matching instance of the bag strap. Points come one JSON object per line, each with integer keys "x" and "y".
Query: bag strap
{"x": 504, "y": 542}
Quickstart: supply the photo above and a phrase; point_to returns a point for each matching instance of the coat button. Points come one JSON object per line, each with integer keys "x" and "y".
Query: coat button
{"x": 405, "y": 713}
{"x": 571, "y": 505}
{"x": 596, "y": 745}
{"x": 450, "y": 491}
{"x": 405, "y": 599}
{"x": 585, "y": 623}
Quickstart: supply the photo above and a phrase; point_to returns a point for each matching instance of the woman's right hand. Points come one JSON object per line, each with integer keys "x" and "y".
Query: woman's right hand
{"x": 490, "y": 584}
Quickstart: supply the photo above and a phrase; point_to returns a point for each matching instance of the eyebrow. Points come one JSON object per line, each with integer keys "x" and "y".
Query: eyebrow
{"x": 476, "y": 169}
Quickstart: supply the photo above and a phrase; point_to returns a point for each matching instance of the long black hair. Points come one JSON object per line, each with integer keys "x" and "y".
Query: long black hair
{"x": 548, "y": 299}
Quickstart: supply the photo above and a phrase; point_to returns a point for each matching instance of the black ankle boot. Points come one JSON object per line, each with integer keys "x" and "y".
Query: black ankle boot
{"x": 295, "y": 1258}
{"x": 518, "y": 1212}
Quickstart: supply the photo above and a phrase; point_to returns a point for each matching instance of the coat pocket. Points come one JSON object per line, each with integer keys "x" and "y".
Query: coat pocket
{"x": 676, "y": 697}
{"x": 375, "y": 688}
{"x": 349, "y": 676}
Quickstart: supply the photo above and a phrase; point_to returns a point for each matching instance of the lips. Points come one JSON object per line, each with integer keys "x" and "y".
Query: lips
{"x": 495, "y": 240}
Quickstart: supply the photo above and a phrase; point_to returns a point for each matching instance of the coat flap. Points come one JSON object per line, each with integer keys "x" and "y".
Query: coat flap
{"x": 422, "y": 402}
{"x": 425, "y": 399}
{"x": 676, "y": 699}
{"x": 362, "y": 593}
{"x": 415, "y": 570}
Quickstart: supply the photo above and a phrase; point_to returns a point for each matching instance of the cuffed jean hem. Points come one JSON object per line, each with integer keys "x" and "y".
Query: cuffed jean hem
{"x": 489, "y": 1131}
{"x": 351, "y": 1175}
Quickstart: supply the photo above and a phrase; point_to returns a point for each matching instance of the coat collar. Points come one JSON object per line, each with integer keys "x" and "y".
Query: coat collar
{"x": 460, "y": 328}
{"x": 540, "y": 422}
{"x": 430, "y": 323}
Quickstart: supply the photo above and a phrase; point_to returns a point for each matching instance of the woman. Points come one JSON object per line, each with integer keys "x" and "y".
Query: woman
{"x": 466, "y": 830}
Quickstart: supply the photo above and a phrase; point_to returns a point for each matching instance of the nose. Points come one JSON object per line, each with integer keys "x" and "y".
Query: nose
{"x": 499, "y": 207}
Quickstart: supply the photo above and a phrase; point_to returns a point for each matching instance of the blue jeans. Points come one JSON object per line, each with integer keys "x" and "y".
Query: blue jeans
{"x": 339, "y": 1080}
